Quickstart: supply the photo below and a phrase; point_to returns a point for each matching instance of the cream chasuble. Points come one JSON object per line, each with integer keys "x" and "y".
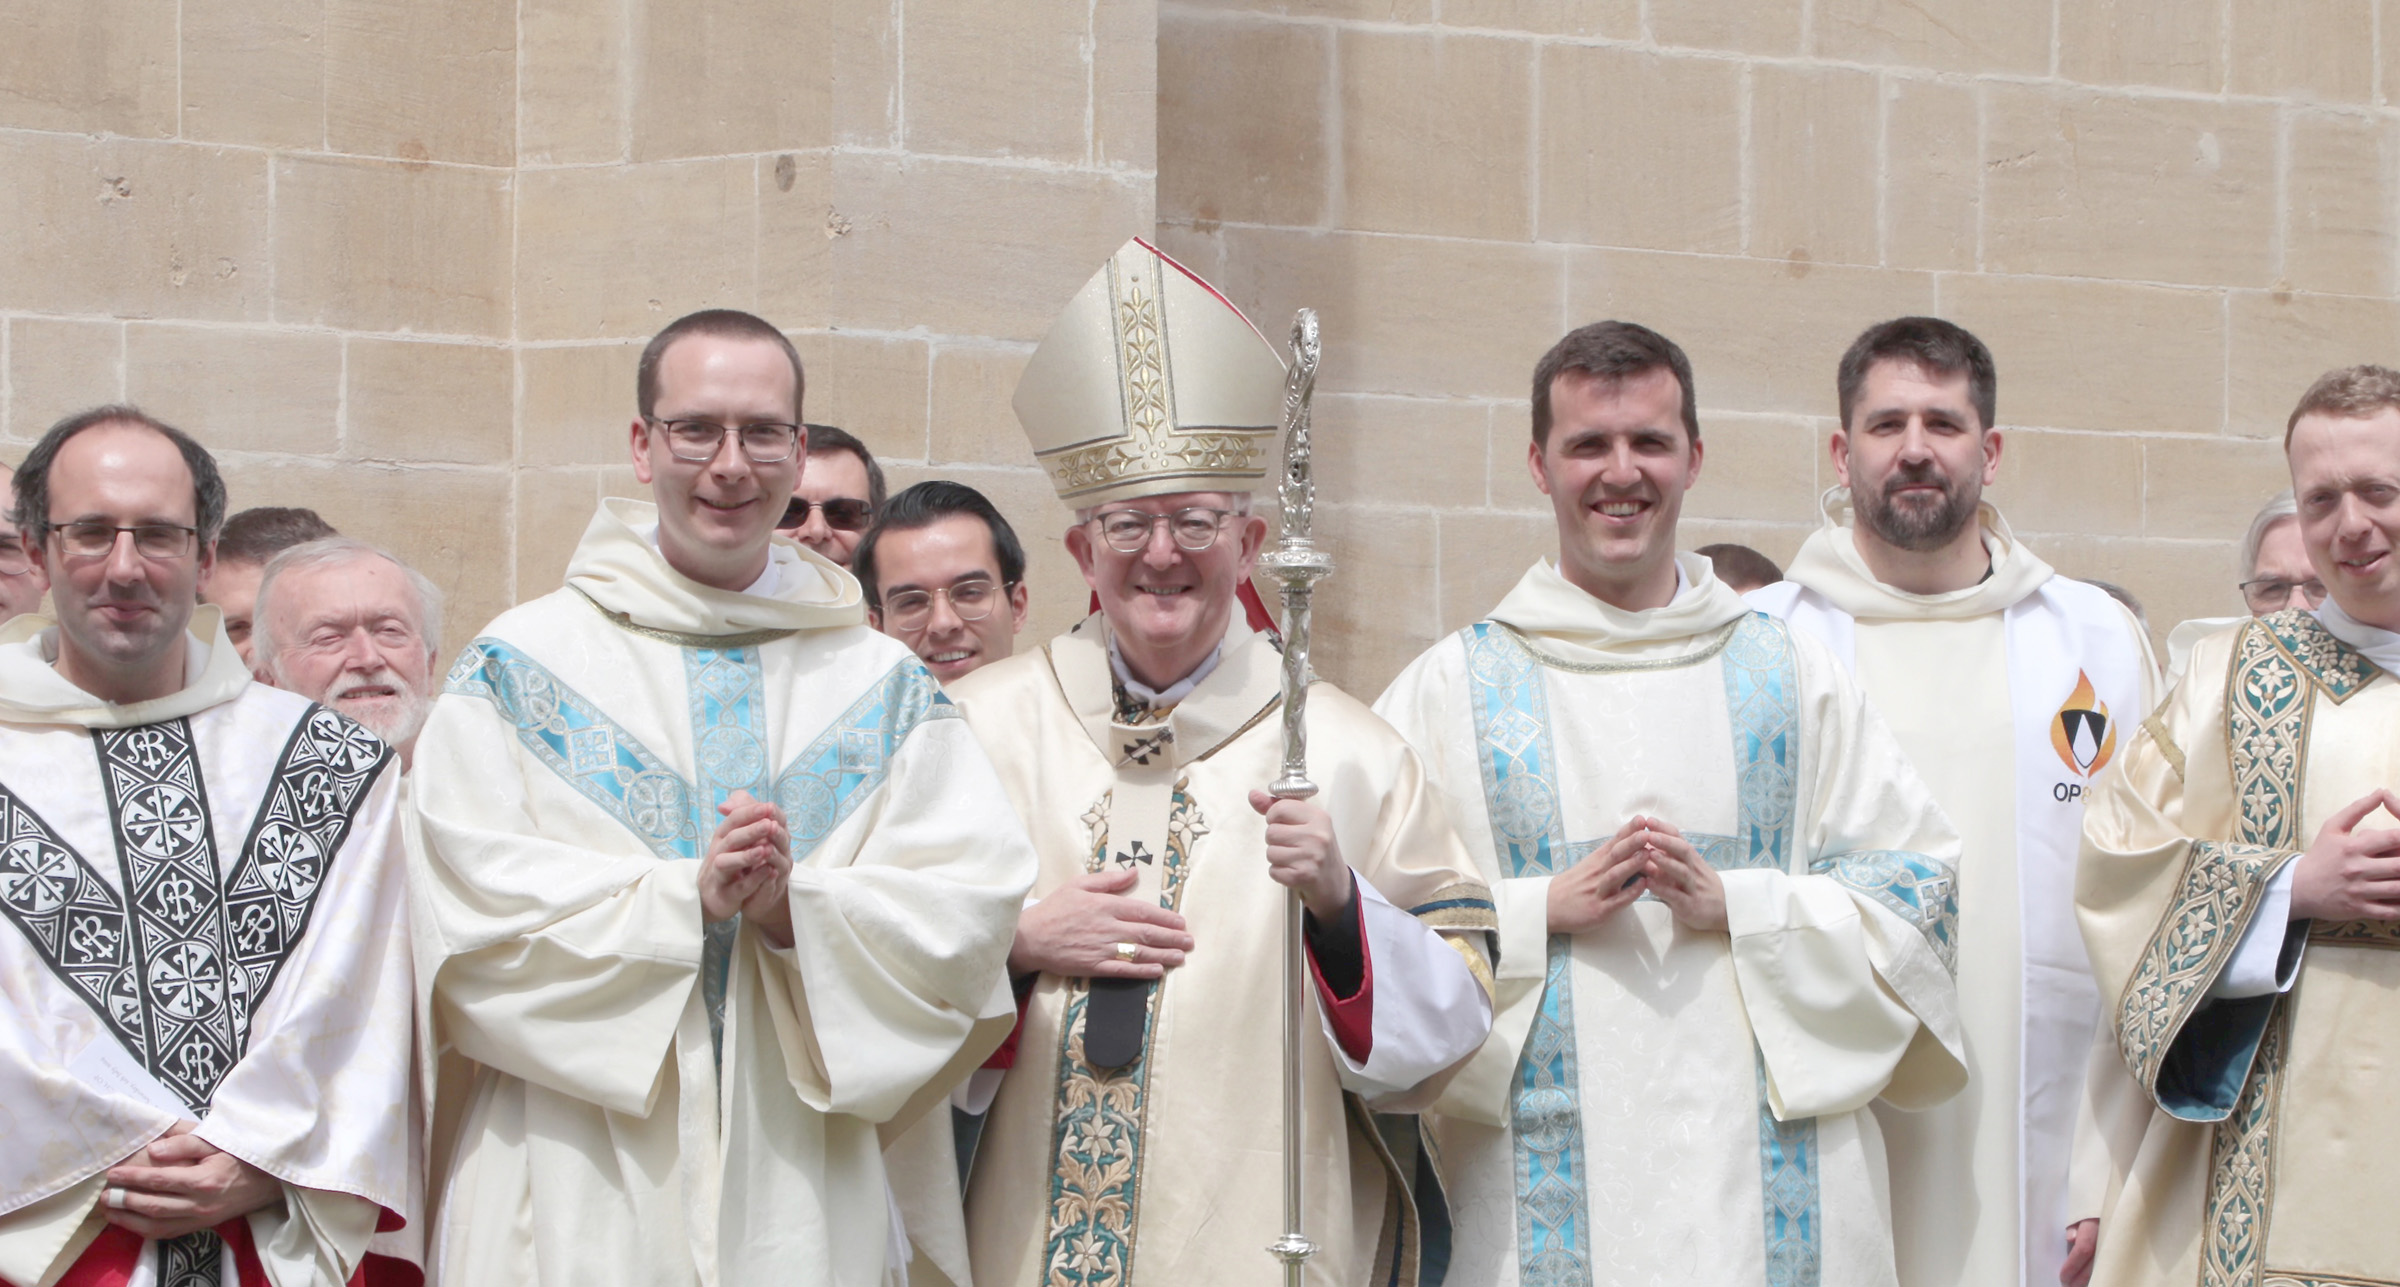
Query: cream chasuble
{"x": 203, "y": 917}
{"x": 2009, "y": 698}
{"x": 651, "y": 1103}
{"x": 1167, "y": 1170}
{"x": 2268, "y": 1159}
{"x": 1658, "y": 1105}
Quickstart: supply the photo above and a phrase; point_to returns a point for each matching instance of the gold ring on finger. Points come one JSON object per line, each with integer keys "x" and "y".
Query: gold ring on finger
{"x": 1126, "y": 951}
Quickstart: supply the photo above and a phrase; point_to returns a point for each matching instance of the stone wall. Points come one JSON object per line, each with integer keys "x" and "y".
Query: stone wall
{"x": 2165, "y": 216}
{"x": 394, "y": 257}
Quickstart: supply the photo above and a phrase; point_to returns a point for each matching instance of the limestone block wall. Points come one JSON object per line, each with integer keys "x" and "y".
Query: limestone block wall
{"x": 2165, "y": 216}
{"x": 394, "y": 259}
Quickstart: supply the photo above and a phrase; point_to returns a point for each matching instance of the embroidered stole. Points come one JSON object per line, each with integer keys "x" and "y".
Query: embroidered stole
{"x": 177, "y": 957}
{"x": 1519, "y": 770}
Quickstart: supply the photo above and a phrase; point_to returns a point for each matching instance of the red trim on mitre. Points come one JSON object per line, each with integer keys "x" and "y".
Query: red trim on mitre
{"x": 1202, "y": 283}
{"x": 1254, "y": 610}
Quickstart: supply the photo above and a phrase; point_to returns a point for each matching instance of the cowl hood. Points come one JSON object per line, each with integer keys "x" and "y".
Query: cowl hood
{"x": 33, "y": 692}
{"x": 617, "y": 567}
{"x": 1830, "y": 564}
{"x": 1574, "y": 625}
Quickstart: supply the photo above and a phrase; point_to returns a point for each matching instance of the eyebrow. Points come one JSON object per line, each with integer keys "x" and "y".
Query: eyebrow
{"x": 961, "y": 579}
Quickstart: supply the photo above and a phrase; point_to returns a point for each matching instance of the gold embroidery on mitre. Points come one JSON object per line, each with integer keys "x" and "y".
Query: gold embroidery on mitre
{"x": 1154, "y": 446}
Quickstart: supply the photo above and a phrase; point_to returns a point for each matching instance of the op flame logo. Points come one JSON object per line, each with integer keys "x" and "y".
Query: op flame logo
{"x": 2082, "y": 734}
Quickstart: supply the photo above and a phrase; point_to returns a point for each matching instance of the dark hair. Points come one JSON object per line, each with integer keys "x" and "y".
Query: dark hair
{"x": 725, "y": 323}
{"x": 1612, "y": 351}
{"x": 2350, "y": 392}
{"x": 924, "y": 505}
{"x": 260, "y": 533}
{"x": 1741, "y": 563}
{"x": 33, "y": 477}
{"x": 824, "y": 440}
{"x": 1944, "y": 348}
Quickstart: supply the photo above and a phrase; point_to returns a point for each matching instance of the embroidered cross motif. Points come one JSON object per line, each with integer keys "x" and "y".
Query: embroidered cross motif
{"x": 1139, "y": 853}
{"x": 1141, "y": 749}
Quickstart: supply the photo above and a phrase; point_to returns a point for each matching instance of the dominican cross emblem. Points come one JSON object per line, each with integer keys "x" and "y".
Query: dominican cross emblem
{"x": 1141, "y": 749}
{"x": 1139, "y": 853}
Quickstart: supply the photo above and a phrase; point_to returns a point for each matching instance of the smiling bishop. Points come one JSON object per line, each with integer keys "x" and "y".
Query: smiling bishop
{"x": 1131, "y": 1141}
{"x": 1726, "y": 904}
{"x": 715, "y": 888}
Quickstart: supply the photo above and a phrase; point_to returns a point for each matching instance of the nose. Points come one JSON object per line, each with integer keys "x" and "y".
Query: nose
{"x": 358, "y": 651}
{"x": 1161, "y": 551}
{"x": 1618, "y": 465}
{"x": 943, "y": 617}
{"x": 1916, "y": 446}
{"x": 2296, "y": 598}
{"x": 730, "y": 461}
{"x": 125, "y": 563}
{"x": 813, "y": 530}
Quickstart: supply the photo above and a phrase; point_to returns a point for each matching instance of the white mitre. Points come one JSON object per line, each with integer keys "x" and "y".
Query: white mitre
{"x": 1150, "y": 383}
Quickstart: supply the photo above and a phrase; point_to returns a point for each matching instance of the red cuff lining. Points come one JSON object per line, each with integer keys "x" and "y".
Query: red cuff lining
{"x": 1352, "y": 1018}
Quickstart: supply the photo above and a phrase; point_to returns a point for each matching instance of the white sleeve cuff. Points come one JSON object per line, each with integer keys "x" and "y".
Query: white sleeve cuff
{"x": 2257, "y": 967}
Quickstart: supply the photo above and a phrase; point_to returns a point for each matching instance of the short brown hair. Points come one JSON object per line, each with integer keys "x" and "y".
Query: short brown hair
{"x": 260, "y": 533}
{"x": 2351, "y": 392}
{"x": 1612, "y": 351}
{"x": 1944, "y": 348}
{"x": 725, "y": 323}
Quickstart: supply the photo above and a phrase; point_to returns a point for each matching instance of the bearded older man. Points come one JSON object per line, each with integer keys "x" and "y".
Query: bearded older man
{"x": 344, "y": 623}
{"x": 2007, "y": 685}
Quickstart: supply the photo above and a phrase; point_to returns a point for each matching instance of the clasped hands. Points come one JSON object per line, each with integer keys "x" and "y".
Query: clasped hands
{"x": 748, "y": 868}
{"x": 1646, "y": 853}
{"x": 1089, "y": 928}
{"x": 180, "y": 1183}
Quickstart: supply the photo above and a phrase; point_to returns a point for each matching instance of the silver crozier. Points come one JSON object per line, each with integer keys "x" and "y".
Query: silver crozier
{"x": 1297, "y": 564}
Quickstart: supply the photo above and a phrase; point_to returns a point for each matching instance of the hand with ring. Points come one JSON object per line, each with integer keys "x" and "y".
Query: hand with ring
{"x": 1090, "y": 928}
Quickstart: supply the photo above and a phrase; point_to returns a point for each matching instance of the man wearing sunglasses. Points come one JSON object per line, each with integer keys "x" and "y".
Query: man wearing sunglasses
{"x": 838, "y": 496}
{"x": 21, "y": 583}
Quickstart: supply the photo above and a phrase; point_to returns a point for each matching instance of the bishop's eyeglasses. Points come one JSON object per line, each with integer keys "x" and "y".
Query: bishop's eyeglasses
{"x": 972, "y": 600}
{"x": 1194, "y": 528}
{"x": 698, "y": 441}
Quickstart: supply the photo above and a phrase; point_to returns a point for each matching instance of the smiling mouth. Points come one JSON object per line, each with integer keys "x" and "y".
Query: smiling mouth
{"x": 1621, "y": 509}
{"x": 947, "y": 658}
{"x": 722, "y": 507}
{"x": 1162, "y": 591}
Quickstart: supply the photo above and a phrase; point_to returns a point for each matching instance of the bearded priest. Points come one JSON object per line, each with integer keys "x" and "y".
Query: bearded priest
{"x": 1133, "y": 1139}
{"x": 2240, "y": 892}
{"x": 2010, "y": 687}
{"x": 715, "y": 887}
{"x": 1726, "y": 911}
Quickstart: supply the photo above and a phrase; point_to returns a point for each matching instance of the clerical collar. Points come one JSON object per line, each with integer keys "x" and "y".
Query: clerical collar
{"x": 764, "y": 586}
{"x": 1159, "y": 699}
{"x": 2380, "y": 646}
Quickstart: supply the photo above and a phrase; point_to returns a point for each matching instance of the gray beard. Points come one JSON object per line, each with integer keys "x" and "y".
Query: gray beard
{"x": 1917, "y": 529}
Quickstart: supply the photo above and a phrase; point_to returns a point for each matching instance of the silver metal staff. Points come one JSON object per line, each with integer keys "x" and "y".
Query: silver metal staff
{"x": 1297, "y": 564}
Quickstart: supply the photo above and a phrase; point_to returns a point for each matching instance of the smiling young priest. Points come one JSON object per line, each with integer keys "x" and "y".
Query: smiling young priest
{"x": 1134, "y": 1139}
{"x": 1725, "y": 902}
{"x": 715, "y": 885}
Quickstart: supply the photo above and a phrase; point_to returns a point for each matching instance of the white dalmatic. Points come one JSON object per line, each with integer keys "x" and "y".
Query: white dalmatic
{"x": 203, "y": 919}
{"x": 653, "y": 1100}
{"x": 1658, "y": 1104}
{"x": 2010, "y": 698}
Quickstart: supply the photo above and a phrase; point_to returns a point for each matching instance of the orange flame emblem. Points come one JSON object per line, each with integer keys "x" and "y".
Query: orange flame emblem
{"x": 2083, "y": 734}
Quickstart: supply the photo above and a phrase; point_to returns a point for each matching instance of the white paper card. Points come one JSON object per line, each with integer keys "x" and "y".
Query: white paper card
{"x": 105, "y": 1065}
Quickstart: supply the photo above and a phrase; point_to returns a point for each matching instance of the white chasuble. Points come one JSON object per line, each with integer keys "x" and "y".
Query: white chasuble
{"x": 205, "y": 920}
{"x": 1659, "y": 1105}
{"x": 648, "y": 1100}
{"x": 2010, "y": 697}
{"x": 1154, "y": 1158}
{"x": 2267, "y": 1156}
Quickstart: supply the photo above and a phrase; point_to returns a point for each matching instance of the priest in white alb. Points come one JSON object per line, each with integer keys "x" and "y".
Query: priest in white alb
{"x": 2240, "y": 894}
{"x": 205, "y": 995}
{"x": 2010, "y": 687}
{"x": 715, "y": 887}
{"x": 1135, "y": 1135}
{"x": 1726, "y": 904}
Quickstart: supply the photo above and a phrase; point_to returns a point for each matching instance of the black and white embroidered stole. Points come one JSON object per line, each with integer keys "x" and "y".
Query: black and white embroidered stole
{"x": 176, "y": 963}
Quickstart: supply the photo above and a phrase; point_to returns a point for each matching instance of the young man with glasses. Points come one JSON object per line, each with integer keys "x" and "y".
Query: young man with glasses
{"x": 839, "y": 494}
{"x": 1132, "y": 1134}
{"x": 21, "y": 582}
{"x": 205, "y": 998}
{"x": 717, "y": 888}
{"x": 944, "y": 574}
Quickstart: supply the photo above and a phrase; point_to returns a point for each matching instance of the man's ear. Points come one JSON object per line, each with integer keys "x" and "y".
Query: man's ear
{"x": 1533, "y": 465}
{"x": 640, "y": 445}
{"x": 1020, "y": 606}
{"x": 1838, "y": 447}
{"x": 1991, "y": 456}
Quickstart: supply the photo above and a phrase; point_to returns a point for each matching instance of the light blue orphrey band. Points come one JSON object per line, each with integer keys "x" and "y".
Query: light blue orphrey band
{"x": 1512, "y": 727}
{"x": 592, "y": 753}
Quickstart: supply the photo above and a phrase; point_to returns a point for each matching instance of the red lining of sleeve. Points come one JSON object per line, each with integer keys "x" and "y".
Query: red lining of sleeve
{"x": 1353, "y": 1017}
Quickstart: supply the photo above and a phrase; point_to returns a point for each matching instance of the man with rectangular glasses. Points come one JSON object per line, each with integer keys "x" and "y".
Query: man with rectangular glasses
{"x": 716, "y": 886}
{"x": 205, "y": 992}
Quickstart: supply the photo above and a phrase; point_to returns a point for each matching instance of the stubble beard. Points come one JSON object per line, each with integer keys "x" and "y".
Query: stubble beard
{"x": 1919, "y": 528}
